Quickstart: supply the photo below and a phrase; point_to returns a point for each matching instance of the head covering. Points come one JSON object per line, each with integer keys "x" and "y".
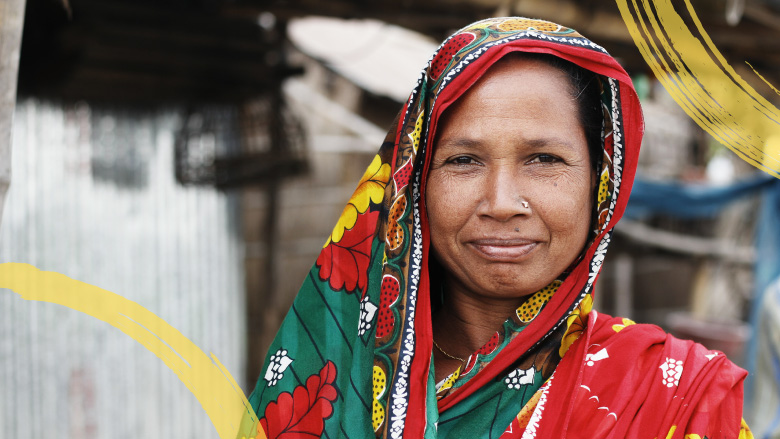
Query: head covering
{"x": 353, "y": 357}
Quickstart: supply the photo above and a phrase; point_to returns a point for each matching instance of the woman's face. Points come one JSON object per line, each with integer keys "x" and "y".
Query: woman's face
{"x": 513, "y": 139}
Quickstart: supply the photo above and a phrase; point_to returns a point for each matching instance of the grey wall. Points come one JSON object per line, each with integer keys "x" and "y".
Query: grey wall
{"x": 11, "y": 23}
{"x": 94, "y": 198}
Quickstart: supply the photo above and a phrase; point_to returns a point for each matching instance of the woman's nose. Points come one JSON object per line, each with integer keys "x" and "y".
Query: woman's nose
{"x": 503, "y": 197}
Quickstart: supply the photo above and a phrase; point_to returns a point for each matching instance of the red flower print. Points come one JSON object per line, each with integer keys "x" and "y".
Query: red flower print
{"x": 470, "y": 363}
{"x": 443, "y": 57}
{"x": 491, "y": 344}
{"x": 389, "y": 293}
{"x": 486, "y": 349}
{"x": 302, "y": 413}
{"x": 403, "y": 175}
{"x": 344, "y": 264}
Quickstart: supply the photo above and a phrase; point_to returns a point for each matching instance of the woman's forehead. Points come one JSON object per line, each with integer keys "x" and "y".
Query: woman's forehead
{"x": 515, "y": 90}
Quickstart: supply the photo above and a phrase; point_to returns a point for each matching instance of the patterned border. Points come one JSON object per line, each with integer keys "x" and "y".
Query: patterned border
{"x": 617, "y": 140}
{"x": 536, "y": 417}
{"x": 400, "y": 395}
{"x": 522, "y": 35}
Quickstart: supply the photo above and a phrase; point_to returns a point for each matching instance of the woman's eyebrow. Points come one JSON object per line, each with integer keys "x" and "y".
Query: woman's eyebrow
{"x": 535, "y": 143}
{"x": 547, "y": 142}
{"x": 454, "y": 142}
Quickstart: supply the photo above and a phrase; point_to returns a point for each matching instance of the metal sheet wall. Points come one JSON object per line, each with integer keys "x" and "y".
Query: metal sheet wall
{"x": 93, "y": 197}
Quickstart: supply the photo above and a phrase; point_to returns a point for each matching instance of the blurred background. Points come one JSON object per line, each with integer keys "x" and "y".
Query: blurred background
{"x": 193, "y": 156}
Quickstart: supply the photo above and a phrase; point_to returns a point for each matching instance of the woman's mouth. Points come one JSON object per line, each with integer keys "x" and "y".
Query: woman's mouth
{"x": 503, "y": 250}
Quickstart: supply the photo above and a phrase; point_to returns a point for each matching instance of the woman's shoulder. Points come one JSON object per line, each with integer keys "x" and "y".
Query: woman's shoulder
{"x": 649, "y": 348}
{"x": 612, "y": 330}
{"x": 621, "y": 333}
{"x": 639, "y": 375}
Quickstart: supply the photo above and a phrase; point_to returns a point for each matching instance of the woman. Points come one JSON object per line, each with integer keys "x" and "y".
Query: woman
{"x": 453, "y": 298}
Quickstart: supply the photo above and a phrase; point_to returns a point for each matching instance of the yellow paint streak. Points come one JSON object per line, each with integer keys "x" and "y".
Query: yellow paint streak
{"x": 762, "y": 78}
{"x": 207, "y": 379}
{"x": 702, "y": 82}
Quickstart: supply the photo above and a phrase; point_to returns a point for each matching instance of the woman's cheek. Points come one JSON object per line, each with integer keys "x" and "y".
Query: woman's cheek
{"x": 452, "y": 189}
{"x": 568, "y": 216}
{"x": 451, "y": 201}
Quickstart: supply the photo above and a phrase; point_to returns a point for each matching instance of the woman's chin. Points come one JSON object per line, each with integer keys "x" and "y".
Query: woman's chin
{"x": 507, "y": 283}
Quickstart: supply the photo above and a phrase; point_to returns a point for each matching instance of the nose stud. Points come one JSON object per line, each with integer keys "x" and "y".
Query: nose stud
{"x": 525, "y": 204}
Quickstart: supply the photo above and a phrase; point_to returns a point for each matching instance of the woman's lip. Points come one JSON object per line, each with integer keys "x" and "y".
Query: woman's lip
{"x": 504, "y": 249}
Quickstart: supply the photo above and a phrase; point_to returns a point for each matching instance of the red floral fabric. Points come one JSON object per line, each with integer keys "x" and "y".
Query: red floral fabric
{"x": 302, "y": 413}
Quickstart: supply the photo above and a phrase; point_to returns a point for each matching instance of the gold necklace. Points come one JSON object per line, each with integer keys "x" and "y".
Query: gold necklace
{"x": 446, "y": 354}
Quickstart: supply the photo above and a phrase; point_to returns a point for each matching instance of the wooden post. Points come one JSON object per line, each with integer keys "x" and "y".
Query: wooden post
{"x": 11, "y": 23}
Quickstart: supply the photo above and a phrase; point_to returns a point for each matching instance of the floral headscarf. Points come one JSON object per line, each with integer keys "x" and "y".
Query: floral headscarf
{"x": 353, "y": 357}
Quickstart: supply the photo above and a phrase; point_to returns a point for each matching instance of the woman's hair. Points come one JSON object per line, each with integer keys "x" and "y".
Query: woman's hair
{"x": 586, "y": 89}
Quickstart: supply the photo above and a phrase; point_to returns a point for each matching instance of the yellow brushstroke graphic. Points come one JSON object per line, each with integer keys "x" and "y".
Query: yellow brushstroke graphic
{"x": 691, "y": 69}
{"x": 762, "y": 78}
{"x": 213, "y": 386}
{"x": 702, "y": 82}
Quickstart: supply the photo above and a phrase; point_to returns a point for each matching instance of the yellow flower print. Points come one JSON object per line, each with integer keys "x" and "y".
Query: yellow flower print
{"x": 370, "y": 189}
{"x": 626, "y": 322}
{"x": 379, "y": 385}
{"x": 449, "y": 381}
{"x": 415, "y": 136}
{"x": 531, "y": 307}
{"x": 603, "y": 186}
{"x": 528, "y": 409}
{"x": 575, "y": 323}
{"x": 524, "y": 24}
{"x": 744, "y": 433}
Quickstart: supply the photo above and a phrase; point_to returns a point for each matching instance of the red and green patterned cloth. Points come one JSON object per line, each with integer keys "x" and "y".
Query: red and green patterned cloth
{"x": 353, "y": 358}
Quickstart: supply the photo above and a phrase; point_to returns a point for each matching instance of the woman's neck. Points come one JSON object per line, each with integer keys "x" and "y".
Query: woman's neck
{"x": 463, "y": 324}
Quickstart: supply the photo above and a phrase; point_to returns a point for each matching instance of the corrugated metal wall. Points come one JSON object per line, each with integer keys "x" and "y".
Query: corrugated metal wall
{"x": 93, "y": 196}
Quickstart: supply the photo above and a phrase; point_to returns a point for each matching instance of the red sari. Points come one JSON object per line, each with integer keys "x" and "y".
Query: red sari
{"x": 623, "y": 380}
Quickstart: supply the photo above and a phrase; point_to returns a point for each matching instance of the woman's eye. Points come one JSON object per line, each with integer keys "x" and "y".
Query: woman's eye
{"x": 545, "y": 158}
{"x": 462, "y": 160}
